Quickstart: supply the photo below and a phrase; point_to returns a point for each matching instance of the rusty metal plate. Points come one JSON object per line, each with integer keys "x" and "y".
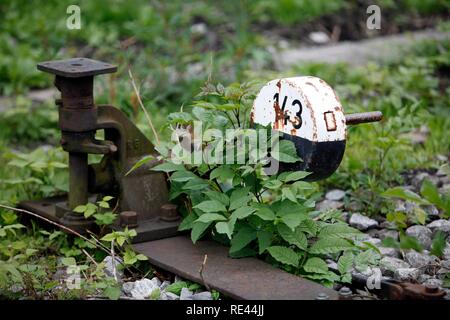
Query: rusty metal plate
{"x": 242, "y": 279}
{"x": 76, "y": 67}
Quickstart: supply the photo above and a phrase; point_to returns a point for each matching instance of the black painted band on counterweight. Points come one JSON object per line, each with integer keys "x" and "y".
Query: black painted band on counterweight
{"x": 319, "y": 158}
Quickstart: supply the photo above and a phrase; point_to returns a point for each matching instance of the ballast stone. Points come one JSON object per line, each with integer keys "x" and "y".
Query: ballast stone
{"x": 362, "y": 222}
{"x": 422, "y": 234}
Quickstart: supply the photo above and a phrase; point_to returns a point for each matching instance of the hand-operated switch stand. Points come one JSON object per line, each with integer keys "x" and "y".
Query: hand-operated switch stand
{"x": 142, "y": 195}
{"x": 304, "y": 109}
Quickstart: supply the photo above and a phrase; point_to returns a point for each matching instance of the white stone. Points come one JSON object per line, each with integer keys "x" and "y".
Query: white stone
{"x": 389, "y": 252}
{"x": 319, "y": 37}
{"x": 127, "y": 287}
{"x": 186, "y": 294}
{"x": 440, "y": 225}
{"x": 433, "y": 282}
{"x": 406, "y": 274}
{"x": 382, "y": 234}
{"x": 202, "y": 296}
{"x": 422, "y": 234}
{"x": 169, "y": 296}
{"x": 417, "y": 260}
{"x": 143, "y": 288}
{"x": 326, "y": 205}
{"x": 164, "y": 285}
{"x": 388, "y": 265}
{"x": 156, "y": 281}
{"x": 335, "y": 195}
{"x": 362, "y": 222}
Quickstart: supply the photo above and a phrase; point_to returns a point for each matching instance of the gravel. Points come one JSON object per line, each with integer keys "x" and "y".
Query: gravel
{"x": 186, "y": 294}
{"x": 389, "y": 252}
{"x": 406, "y": 274}
{"x": 440, "y": 225}
{"x": 389, "y": 265}
{"x": 110, "y": 266}
{"x": 362, "y": 222}
{"x": 433, "y": 282}
{"x": 143, "y": 288}
{"x": 417, "y": 260}
{"x": 422, "y": 234}
{"x": 326, "y": 205}
{"x": 335, "y": 195}
{"x": 385, "y": 233}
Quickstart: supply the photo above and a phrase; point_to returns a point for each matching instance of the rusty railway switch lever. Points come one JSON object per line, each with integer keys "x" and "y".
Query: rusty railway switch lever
{"x": 308, "y": 112}
{"x": 141, "y": 194}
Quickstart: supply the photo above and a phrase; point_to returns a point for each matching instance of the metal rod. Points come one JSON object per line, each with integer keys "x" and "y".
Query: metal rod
{"x": 363, "y": 117}
{"x": 78, "y": 179}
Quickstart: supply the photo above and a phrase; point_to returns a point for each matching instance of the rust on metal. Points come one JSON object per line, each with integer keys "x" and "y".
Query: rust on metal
{"x": 364, "y": 117}
{"x": 128, "y": 219}
{"x": 169, "y": 212}
{"x": 243, "y": 279}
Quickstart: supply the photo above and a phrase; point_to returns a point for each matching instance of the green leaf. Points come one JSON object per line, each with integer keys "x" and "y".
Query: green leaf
{"x": 103, "y": 204}
{"x": 284, "y": 255}
{"x": 219, "y": 196}
{"x": 198, "y": 229}
{"x": 70, "y": 261}
{"x": 288, "y": 194}
{"x": 408, "y": 242}
{"x": 244, "y": 236}
{"x": 210, "y": 217}
{"x": 224, "y": 173}
{"x": 339, "y": 230}
{"x": 265, "y": 213}
{"x": 315, "y": 265}
{"x": 243, "y": 212}
{"x": 293, "y": 220}
{"x": 140, "y": 163}
{"x": 106, "y": 218}
{"x": 107, "y": 198}
{"x": 176, "y": 287}
{"x": 431, "y": 193}
{"x": 109, "y": 237}
{"x": 309, "y": 226}
{"x": 272, "y": 184}
{"x": 80, "y": 209}
{"x": 141, "y": 257}
{"x": 345, "y": 263}
{"x": 224, "y": 228}
{"x": 330, "y": 245}
{"x": 239, "y": 197}
{"x": 112, "y": 292}
{"x": 296, "y": 237}
{"x": 211, "y": 206}
{"x": 286, "y": 152}
{"x": 439, "y": 243}
{"x": 182, "y": 176}
{"x": 169, "y": 167}
{"x": 187, "y": 222}
{"x": 405, "y": 194}
{"x": 196, "y": 185}
{"x": 297, "y": 175}
{"x": 129, "y": 258}
{"x": 264, "y": 240}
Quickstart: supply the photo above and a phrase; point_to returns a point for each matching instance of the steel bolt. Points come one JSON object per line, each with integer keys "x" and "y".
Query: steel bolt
{"x": 345, "y": 293}
{"x": 431, "y": 288}
{"x": 128, "y": 219}
{"x": 322, "y": 296}
{"x": 169, "y": 212}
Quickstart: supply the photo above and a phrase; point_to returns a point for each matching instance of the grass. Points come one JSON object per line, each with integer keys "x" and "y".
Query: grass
{"x": 170, "y": 60}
